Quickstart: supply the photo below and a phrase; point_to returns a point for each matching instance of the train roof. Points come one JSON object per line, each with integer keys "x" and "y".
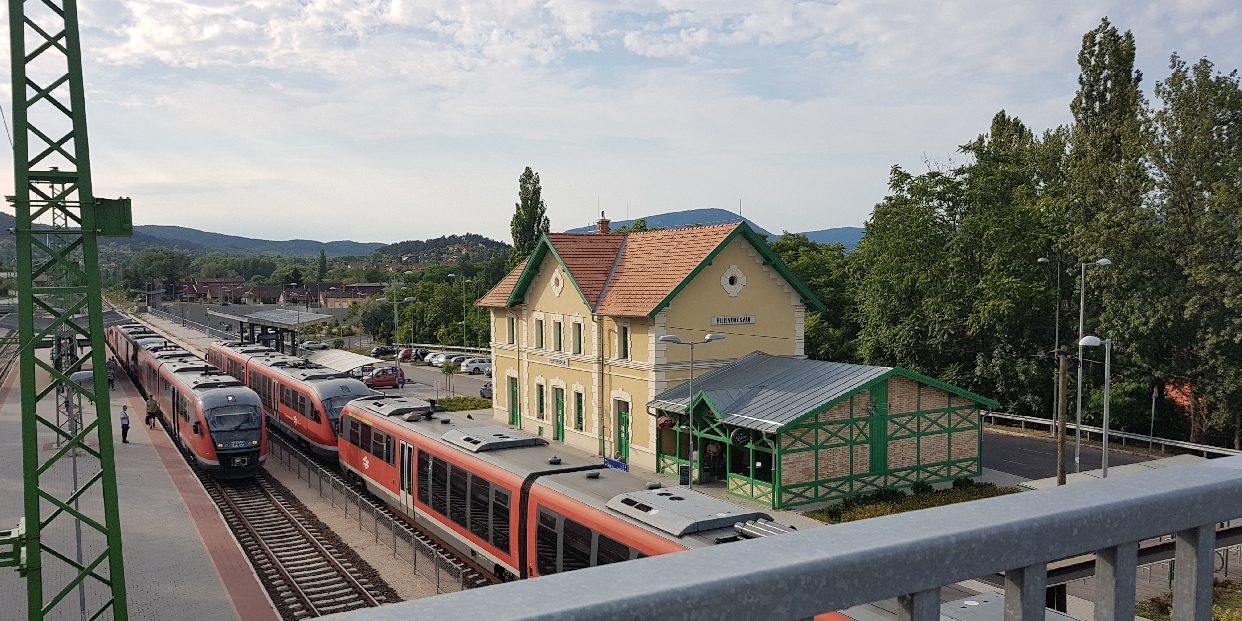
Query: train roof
{"x": 239, "y": 347}
{"x": 168, "y": 352}
{"x": 200, "y": 376}
{"x": 675, "y": 512}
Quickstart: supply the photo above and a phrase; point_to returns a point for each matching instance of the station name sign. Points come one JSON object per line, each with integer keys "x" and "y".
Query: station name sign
{"x": 558, "y": 362}
{"x": 733, "y": 320}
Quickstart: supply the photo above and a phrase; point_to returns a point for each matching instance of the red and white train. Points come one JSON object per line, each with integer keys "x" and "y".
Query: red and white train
{"x": 217, "y": 418}
{"x": 303, "y": 399}
{"x": 516, "y": 505}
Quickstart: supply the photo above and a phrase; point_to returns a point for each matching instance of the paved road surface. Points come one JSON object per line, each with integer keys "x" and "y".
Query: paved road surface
{"x": 1035, "y": 457}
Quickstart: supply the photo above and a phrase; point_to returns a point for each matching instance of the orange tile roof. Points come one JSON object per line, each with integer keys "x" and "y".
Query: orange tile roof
{"x": 499, "y": 295}
{"x": 654, "y": 263}
{"x": 625, "y": 275}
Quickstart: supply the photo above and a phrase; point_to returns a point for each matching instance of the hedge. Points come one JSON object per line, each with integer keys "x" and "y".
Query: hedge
{"x": 888, "y": 501}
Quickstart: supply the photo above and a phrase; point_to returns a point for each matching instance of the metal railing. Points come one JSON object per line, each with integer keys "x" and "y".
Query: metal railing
{"x": 394, "y": 534}
{"x": 193, "y": 324}
{"x": 909, "y": 556}
{"x": 1113, "y": 435}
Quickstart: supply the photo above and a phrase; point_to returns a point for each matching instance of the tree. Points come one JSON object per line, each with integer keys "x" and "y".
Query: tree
{"x": 323, "y": 265}
{"x": 530, "y": 220}
{"x": 829, "y": 335}
{"x": 286, "y": 275}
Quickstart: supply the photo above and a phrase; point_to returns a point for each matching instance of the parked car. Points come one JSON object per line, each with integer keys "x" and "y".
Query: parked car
{"x": 385, "y": 377}
{"x": 435, "y": 359}
{"x": 476, "y": 366}
{"x": 486, "y": 391}
{"x": 315, "y": 345}
{"x": 419, "y": 354}
{"x": 456, "y": 360}
{"x": 383, "y": 350}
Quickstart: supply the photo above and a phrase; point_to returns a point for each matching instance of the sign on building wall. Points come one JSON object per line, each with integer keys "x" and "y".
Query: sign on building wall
{"x": 733, "y": 320}
{"x": 558, "y": 362}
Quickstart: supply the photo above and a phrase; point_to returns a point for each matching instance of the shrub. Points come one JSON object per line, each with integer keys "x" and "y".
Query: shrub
{"x": 460, "y": 404}
{"x": 922, "y": 487}
{"x": 889, "y": 501}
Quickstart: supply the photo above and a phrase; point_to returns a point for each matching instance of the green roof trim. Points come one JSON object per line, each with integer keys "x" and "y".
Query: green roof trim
{"x": 769, "y": 259}
{"x": 533, "y": 265}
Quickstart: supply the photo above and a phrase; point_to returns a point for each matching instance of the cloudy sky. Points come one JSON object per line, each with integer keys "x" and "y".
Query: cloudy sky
{"x": 384, "y": 120}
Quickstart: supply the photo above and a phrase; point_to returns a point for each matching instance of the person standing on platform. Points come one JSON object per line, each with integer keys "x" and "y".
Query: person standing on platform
{"x": 124, "y": 424}
{"x": 111, "y": 378}
{"x": 153, "y": 408}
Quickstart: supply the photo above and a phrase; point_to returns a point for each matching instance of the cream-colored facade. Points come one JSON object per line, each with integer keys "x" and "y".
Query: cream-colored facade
{"x": 553, "y": 356}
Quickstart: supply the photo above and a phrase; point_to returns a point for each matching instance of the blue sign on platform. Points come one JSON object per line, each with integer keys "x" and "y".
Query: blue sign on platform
{"x": 616, "y": 463}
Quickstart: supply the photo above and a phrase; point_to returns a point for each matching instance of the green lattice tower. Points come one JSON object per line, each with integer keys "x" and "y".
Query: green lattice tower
{"x": 69, "y": 544}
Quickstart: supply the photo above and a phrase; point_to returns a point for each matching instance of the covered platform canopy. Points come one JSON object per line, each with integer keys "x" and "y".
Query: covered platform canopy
{"x": 341, "y": 360}
{"x": 271, "y": 326}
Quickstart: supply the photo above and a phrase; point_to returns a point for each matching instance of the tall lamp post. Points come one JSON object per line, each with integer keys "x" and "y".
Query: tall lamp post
{"x": 1056, "y": 322}
{"x": 395, "y": 316}
{"x": 1093, "y": 341}
{"x": 1082, "y": 314}
{"x": 672, "y": 338}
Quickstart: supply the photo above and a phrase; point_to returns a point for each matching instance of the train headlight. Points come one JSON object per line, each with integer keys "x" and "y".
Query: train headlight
{"x": 219, "y": 446}
{"x": 254, "y": 442}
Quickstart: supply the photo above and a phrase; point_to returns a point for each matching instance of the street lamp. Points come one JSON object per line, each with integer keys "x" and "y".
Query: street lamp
{"x": 395, "y": 320}
{"x": 1092, "y": 341}
{"x": 1082, "y": 313}
{"x": 673, "y": 339}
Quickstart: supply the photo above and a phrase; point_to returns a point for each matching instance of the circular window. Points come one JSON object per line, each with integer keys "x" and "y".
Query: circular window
{"x": 733, "y": 280}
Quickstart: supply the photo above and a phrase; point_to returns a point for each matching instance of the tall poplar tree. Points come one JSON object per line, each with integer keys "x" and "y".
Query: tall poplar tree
{"x": 323, "y": 265}
{"x": 530, "y": 220}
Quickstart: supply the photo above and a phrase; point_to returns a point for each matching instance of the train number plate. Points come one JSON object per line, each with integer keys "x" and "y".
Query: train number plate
{"x": 241, "y": 461}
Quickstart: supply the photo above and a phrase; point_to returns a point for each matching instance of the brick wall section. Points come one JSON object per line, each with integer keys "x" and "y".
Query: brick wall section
{"x": 934, "y": 399}
{"x": 834, "y": 462}
{"x": 862, "y": 459}
{"x": 903, "y": 395}
{"x": 797, "y": 467}
{"x": 935, "y": 448}
{"x": 840, "y": 411}
{"x": 903, "y": 453}
{"x": 965, "y": 444}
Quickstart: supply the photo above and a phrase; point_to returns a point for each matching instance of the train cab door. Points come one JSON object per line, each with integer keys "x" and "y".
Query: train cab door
{"x": 407, "y": 479}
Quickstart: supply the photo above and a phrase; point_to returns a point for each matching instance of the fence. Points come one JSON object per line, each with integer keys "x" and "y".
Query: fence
{"x": 1123, "y": 436}
{"x": 193, "y": 324}
{"x": 392, "y": 532}
{"x": 909, "y": 556}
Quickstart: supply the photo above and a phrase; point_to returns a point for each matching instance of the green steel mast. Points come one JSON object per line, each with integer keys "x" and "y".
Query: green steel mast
{"x": 68, "y": 545}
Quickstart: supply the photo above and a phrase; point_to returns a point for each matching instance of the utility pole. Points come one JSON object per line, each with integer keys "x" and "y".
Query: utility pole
{"x": 66, "y": 512}
{"x": 1063, "y": 356}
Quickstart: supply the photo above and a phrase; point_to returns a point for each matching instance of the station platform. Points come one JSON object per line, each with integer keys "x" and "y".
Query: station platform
{"x": 181, "y": 561}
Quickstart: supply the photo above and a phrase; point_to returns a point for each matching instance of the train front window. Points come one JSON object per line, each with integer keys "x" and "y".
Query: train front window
{"x": 334, "y": 405}
{"x": 234, "y": 418}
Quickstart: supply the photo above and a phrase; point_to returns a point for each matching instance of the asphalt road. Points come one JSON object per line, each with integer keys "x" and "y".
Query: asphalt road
{"x": 422, "y": 382}
{"x": 1035, "y": 457}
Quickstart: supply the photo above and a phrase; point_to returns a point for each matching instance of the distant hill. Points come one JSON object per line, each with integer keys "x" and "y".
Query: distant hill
{"x": 847, "y": 235}
{"x": 678, "y": 219}
{"x": 435, "y": 250}
{"x": 194, "y": 239}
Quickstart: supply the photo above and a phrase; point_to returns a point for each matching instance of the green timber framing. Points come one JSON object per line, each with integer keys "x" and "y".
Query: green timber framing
{"x": 532, "y": 266}
{"x": 850, "y": 445}
{"x": 58, "y": 222}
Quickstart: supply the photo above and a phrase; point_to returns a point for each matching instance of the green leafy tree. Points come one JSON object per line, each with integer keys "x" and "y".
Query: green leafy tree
{"x": 323, "y": 265}
{"x": 829, "y": 335}
{"x": 530, "y": 220}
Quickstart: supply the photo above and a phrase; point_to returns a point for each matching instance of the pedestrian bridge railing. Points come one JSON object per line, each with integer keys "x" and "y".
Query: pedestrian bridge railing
{"x": 908, "y": 556}
{"x": 1137, "y": 439}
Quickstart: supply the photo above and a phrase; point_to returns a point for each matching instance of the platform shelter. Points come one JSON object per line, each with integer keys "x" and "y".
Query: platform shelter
{"x": 271, "y": 327}
{"x": 787, "y": 431}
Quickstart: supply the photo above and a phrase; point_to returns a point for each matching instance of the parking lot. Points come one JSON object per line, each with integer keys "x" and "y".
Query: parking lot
{"x": 424, "y": 382}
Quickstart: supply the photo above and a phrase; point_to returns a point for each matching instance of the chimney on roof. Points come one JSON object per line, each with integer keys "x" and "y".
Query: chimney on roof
{"x": 601, "y": 227}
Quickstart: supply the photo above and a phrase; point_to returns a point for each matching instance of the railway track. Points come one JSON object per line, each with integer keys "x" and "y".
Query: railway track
{"x": 303, "y": 563}
{"x": 473, "y": 576}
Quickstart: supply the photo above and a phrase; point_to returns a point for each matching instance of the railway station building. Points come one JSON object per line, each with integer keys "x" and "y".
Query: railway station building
{"x": 784, "y": 431}
{"x": 575, "y": 328}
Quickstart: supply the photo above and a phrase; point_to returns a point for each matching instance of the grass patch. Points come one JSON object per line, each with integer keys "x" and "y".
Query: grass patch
{"x": 460, "y": 404}
{"x": 888, "y": 501}
{"x": 1226, "y": 603}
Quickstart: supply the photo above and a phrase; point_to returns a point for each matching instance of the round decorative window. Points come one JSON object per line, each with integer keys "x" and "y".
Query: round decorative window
{"x": 557, "y": 282}
{"x": 733, "y": 280}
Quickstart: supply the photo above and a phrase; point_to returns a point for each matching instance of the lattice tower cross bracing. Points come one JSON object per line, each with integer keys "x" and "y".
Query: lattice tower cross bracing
{"x": 68, "y": 546}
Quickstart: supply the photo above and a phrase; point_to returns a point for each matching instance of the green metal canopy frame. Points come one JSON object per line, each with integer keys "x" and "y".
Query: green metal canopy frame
{"x": 69, "y": 541}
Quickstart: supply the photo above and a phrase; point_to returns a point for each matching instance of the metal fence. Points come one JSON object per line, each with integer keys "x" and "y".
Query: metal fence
{"x": 908, "y": 556}
{"x": 193, "y": 324}
{"x": 1116, "y": 436}
{"x": 392, "y": 532}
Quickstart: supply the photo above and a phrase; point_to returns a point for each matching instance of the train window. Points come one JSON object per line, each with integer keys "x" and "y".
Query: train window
{"x": 390, "y": 450}
{"x": 364, "y": 438}
{"x": 500, "y": 519}
{"x": 458, "y": 511}
{"x": 611, "y": 551}
{"x": 576, "y": 540}
{"x": 546, "y": 542}
{"x": 424, "y": 478}
{"x": 480, "y": 509}
{"x": 380, "y": 445}
{"x": 439, "y": 485}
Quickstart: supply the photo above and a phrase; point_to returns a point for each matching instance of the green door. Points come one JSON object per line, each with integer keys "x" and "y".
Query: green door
{"x": 558, "y": 433}
{"x": 623, "y": 430}
{"x": 515, "y": 408}
{"x": 878, "y": 410}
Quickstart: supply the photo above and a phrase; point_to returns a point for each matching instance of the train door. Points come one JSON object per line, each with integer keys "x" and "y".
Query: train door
{"x": 407, "y": 480}
{"x": 558, "y": 431}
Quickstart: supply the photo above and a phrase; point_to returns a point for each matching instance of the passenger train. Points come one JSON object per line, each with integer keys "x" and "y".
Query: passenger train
{"x": 217, "y": 418}
{"x": 515, "y": 504}
{"x": 302, "y": 399}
